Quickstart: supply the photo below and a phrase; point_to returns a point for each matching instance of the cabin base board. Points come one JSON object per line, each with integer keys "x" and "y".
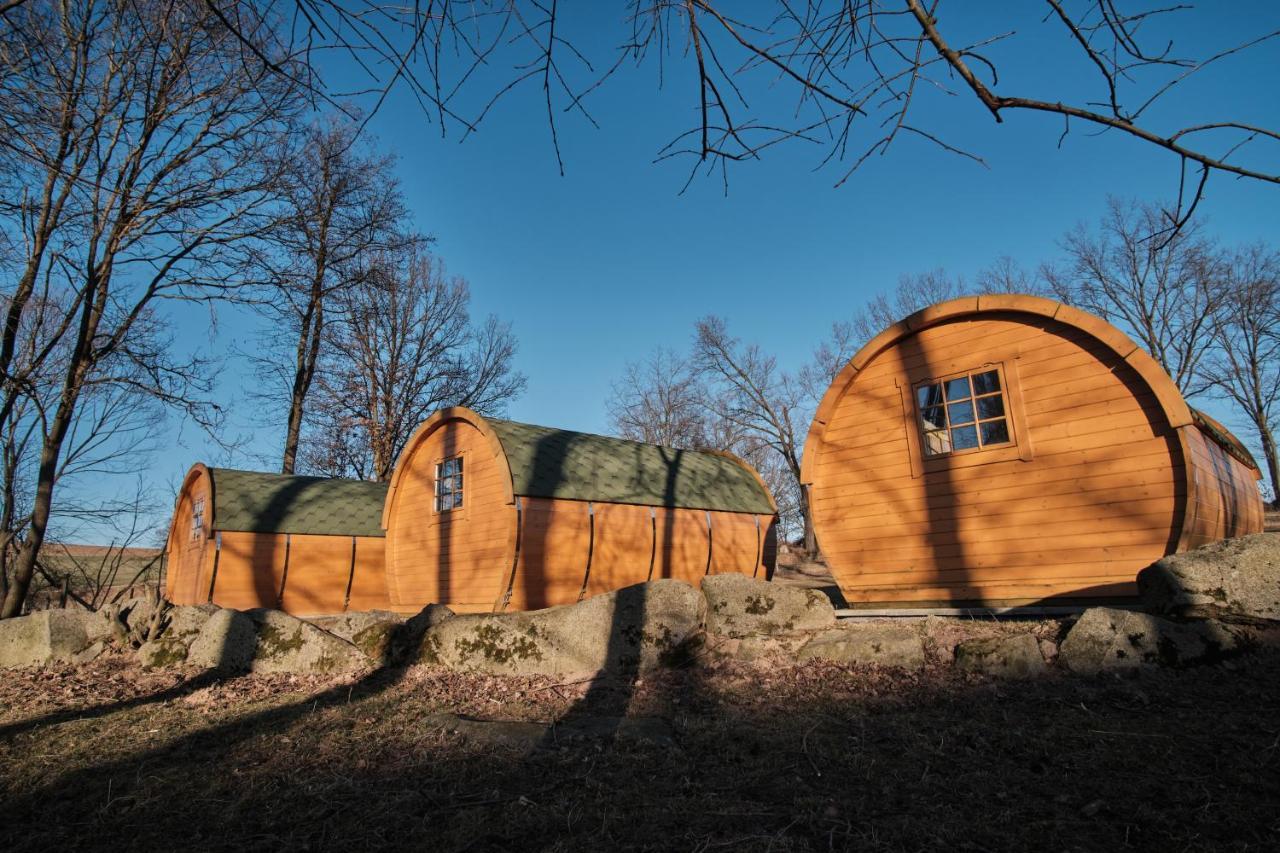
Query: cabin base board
{"x": 991, "y": 611}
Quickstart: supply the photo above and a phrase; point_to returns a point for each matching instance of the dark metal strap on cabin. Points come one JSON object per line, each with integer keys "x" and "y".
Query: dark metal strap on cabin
{"x": 591, "y": 548}
{"x": 515, "y": 559}
{"x": 217, "y": 552}
{"x": 755, "y": 571}
{"x": 351, "y": 576}
{"x": 710, "y": 545}
{"x": 653, "y": 542}
{"x": 284, "y": 574}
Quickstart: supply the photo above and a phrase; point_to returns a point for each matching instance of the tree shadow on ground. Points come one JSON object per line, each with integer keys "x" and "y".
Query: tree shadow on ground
{"x": 815, "y": 757}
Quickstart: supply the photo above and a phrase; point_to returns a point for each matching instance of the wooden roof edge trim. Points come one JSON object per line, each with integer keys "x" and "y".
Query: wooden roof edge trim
{"x": 1226, "y": 439}
{"x": 461, "y": 413}
{"x": 764, "y": 487}
{"x": 1162, "y": 385}
{"x": 192, "y": 473}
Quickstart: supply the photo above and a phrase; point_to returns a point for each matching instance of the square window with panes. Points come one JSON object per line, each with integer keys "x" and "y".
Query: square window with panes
{"x": 963, "y": 413}
{"x": 449, "y": 484}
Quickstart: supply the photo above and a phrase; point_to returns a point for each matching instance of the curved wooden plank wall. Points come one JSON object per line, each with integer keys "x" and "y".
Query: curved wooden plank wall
{"x": 302, "y": 574}
{"x": 506, "y": 551}
{"x": 1096, "y": 485}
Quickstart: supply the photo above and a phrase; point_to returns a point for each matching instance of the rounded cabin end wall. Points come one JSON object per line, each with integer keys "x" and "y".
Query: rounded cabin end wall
{"x": 458, "y": 556}
{"x": 187, "y": 546}
{"x": 1223, "y": 500}
{"x": 1088, "y": 492}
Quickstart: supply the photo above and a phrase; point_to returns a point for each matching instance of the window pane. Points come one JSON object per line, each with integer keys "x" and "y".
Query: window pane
{"x": 986, "y": 383}
{"x": 936, "y": 442}
{"x": 457, "y": 465}
{"x": 958, "y": 389}
{"x": 933, "y": 417}
{"x": 960, "y": 413}
{"x": 990, "y": 407}
{"x": 964, "y": 438}
{"x": 928, "y": 395}
{"x": 995, "y": 432}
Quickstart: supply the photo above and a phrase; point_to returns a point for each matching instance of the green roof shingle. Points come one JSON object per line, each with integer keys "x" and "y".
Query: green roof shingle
{"x": 254, "y": 502}
{"x": 557, "y": 463}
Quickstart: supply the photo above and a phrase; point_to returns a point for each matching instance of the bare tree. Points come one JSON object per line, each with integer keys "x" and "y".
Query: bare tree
{"x": 340, "y": 204}
{"x": 861, "y": 74}
{"x": 134, "y": 139}
{"x": 1160, "y": 290}
{"x": 912, "y": 293}
{"x": 666, "y": 400}
{"x": 662, "y": 400}
{"x": 403, "y": 345}
{"x": 758, "y": 400}
{"x": 1244, "y": 364}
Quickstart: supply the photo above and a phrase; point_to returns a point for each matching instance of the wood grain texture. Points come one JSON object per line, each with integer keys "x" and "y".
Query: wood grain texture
{"x": 551, "y": 551}
{"x": 1224, "y": 499}
{"x": 1099, "y": 499}
{"x": 460, "y": 557}
{"x": 186, "y": 580}
{"x": 369, "y": 579}
{"x": 319, "y": 570}
{"x": 250, "y": 570}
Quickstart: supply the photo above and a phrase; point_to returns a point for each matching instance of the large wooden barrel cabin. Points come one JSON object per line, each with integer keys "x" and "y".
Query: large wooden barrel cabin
{"x": 305, "y": 545}
{"x": 1011, "y": 450}
{"x": 488, "y": 515}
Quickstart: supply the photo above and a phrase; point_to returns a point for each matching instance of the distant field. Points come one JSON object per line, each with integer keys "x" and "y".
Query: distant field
{"x": 95, "y": 572}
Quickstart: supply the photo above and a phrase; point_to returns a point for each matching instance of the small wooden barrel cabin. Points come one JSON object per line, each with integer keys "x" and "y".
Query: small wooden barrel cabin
{"x": 305, "y": 545}
{"x": 1011, "y": 450}
{"x": 487, "y": 515}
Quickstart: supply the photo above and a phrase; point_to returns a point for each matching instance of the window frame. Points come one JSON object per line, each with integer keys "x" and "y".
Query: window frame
{"x": 457, "y": 510}
{"x": 197, "y": 517}
{"x": 1019, "y": 446}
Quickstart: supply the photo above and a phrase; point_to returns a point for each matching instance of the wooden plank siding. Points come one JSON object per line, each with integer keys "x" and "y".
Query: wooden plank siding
{"x": 510, "y": 551}
{"x": 460, "y": 557}
{"x": 1098, "y": 498}
{"x": 186, "y": 581}
{"x": 1224, "y": 498}
{"x": 250, "y": 570}
{"x": 369, "y": 575}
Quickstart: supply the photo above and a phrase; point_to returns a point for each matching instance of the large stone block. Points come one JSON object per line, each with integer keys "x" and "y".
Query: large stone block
{"x": 881, "y": 643}
{"x": 49, "y": 636}
{"x": 1017, "y": 656}
{"x": 1105, "y": 639}
{"x": 1231, "y": 579}
{"x": 624, "y": 632}
{"x": 288, "y": 644}
{"x": 227, "y": 641}
{"x": 739, "y": 606}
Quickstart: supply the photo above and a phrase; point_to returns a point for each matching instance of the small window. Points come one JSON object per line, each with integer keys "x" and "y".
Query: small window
{"x": 963, "y": 413}
{"x": 449, "y": 484}
{"x": 197, "y": 518}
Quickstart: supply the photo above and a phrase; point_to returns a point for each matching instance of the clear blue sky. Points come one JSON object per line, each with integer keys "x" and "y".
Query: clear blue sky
{"x": 596, "y": 268}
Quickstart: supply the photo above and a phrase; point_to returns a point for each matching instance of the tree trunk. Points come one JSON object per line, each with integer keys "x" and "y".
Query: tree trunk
{"x": 308, "y": 355}
{"x": 1272, "y": 462}
{"x": 810, "y": 536}
{"x": 25, "y": 566}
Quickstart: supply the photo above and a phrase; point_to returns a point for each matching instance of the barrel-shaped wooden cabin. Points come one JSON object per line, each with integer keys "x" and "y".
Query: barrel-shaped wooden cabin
{"x": 488, "y": 515}
{"x": 305, "y": 545}
{"x": 1011, "y": 450}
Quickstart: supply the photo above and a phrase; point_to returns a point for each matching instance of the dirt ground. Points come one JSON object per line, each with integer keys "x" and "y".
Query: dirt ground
{"x": 732, "y": 757}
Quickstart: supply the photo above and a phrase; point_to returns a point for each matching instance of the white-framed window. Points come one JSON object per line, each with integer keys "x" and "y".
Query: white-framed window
{"x": 449, "y": 485}
{"x": 197, "y": 518}
{"x": 962, "y": 413}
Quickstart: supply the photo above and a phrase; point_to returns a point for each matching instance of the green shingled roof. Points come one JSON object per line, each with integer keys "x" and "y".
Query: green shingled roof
{"x": 557, "y": 463}
{"x": 254, "y": 502}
